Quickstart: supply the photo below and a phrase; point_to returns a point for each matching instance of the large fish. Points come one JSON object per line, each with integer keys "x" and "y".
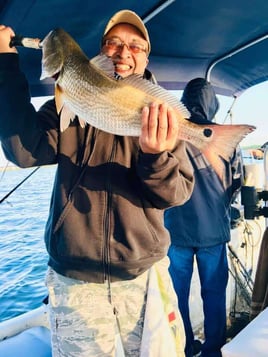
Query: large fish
{"x": 87, "y": 89}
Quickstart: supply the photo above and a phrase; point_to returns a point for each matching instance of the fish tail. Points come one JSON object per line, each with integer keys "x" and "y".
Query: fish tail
{"x": 225, "y": 139}
{"x": 216, "y": 162}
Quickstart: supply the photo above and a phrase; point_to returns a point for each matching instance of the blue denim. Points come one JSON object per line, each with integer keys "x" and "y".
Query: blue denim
{"x": 213, "y": 273}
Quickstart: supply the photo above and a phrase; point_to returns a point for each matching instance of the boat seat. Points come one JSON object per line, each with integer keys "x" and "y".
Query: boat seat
{"x": 33, "y": 342}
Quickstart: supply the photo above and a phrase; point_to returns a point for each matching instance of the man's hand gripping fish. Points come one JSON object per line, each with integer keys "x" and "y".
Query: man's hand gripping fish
{"x": 87, "y": 89}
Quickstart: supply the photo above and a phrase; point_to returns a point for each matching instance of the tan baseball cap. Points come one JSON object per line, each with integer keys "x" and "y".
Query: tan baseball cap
{"x": 128, "y": 17}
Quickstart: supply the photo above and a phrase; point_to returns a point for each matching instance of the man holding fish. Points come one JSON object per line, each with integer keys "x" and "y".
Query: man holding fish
{"x": 105, "y": 236}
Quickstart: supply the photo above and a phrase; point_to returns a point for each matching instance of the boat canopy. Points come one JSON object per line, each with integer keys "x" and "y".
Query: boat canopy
{"x": 224, "y": 41}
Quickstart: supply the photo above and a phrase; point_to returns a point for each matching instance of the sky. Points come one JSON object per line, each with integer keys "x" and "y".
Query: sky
{"x": 249, "y": 108}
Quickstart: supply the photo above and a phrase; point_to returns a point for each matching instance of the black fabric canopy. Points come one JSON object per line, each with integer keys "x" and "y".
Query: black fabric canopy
{"x": 187, "y": 37}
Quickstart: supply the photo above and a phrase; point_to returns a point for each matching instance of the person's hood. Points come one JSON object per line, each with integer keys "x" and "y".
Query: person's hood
{"x": 200, "y": 99}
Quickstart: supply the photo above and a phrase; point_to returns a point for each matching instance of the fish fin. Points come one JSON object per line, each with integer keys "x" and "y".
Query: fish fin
{"x": 216, "y": 162}
{"x": 66, "y": 116}
{"x": 82, "y": 122}
{"x": 59, "y": 100}
{"x": 103, "y": 63}
{"x": 225, "y": 139}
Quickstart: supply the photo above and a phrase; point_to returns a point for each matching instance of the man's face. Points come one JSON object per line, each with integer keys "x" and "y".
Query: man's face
{"x": 127, "y": 48}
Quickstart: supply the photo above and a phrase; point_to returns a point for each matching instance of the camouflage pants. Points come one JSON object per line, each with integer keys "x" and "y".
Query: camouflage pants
{"x": 87, "y": 319}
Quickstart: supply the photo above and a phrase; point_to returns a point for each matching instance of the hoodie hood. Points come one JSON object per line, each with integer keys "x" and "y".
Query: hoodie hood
{"x": 200, "y": 99}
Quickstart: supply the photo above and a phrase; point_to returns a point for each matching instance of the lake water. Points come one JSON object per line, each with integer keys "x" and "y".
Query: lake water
{"x": 23, "y": 257}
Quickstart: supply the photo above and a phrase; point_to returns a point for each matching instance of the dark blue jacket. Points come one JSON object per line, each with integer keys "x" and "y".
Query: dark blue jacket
{"x": 204, "y": 220}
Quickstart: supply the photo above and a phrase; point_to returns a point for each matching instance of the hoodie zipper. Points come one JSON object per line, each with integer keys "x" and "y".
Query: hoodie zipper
{"x": 107, "y": 216}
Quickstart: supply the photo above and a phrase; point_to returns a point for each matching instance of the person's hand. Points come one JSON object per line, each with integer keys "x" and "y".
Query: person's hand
{"x": 6, "y": 33}
{"x": 159, "y": 129}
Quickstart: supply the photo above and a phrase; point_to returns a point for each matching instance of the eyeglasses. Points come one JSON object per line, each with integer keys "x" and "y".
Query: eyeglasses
{"x": 116, "y": 44}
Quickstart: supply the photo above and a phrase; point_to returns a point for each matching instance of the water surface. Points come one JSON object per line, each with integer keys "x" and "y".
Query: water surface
{"x": 23, "y": 257}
